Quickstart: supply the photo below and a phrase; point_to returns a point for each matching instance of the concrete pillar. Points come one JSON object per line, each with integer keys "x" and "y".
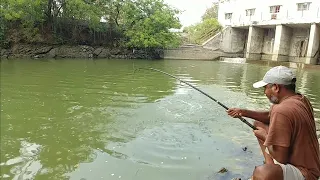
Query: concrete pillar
{"x": 313, "y": 46}
{"x": 282, "y": 42}
{"x": 255, "y": 43}
{"x": 233, "y": 40}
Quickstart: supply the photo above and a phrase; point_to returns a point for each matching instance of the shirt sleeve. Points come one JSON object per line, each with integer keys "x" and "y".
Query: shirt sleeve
{"x": 280, "y": 131}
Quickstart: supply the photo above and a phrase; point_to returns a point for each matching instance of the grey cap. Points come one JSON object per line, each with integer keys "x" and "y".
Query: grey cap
{"x": 276, "y": 75}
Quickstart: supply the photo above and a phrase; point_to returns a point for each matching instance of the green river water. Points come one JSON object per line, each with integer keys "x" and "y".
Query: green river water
{"x": 97, "y": 119}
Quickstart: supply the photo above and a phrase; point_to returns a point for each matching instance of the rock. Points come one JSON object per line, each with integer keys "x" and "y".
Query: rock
{"x": 52, "y": 53}
{"x": 104, "y": 53}
{"x": 97, "y": 52}
{"x": 78, "y": 51}
{"x": 42, "y": 49}
{"x": 4, "y": 53}
{"x": 29, "y": 50}
{"x": 4, "y": 56}
{"x": 73, "y": 51}
{"x": 85, "y": 48}
{"x": 115, "y": 51}
{"x": 22, "y": 50}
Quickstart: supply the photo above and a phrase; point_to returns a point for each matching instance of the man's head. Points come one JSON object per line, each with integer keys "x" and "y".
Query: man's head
{"x": 278, "y": 82}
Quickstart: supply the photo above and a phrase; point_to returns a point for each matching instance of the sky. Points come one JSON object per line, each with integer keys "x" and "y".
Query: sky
{"x": 193, "y": 9}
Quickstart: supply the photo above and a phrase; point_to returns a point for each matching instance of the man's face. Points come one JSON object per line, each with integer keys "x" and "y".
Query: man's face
{"x": 270, "y": 92}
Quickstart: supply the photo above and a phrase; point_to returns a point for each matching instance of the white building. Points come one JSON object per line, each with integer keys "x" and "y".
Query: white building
{"x": 278, "y": 30}
{"x": 267, "y": 12}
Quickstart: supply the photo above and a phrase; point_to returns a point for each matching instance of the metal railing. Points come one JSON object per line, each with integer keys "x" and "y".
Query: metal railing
{"x": 208, "y": 35}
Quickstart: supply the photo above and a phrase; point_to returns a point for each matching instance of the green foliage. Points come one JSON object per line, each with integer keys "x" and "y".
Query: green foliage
{"x": 82, "y": 10}
{"x": 23, "y": 15}
{"x": 208, "y": 27}
{"x": 148, "y": 24}
{"x": 143, "y": 23}
{"x": 200, "y": 32}
{"x": 3, "y": 32}
{"x": 212, "y": 12}
{"x": 113, "y": 10}
{"x": 24, "y": 10}
{"x": 30, "y": 34}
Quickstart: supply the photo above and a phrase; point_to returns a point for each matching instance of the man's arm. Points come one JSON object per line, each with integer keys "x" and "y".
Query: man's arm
{"x": 279, "y": 153}
{"x": 262, "y": 116}
{"x": 279, "y": 137}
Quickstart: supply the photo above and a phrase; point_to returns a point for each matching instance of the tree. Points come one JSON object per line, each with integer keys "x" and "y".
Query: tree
{"x": 51, "y": 16}
{"x": 24, "y": 10}
{"x": 208, "y": 27}
{"x": 144, "y": 23}
{"x": 113, "y": 10}
{"x": 211, "y": 12}
{"x": 148, "y": 24}
{"x": 202, "y": 31}
{"x": 28, "y": 13}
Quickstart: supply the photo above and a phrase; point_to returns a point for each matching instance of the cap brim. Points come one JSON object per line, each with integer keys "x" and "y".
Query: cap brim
{"x": 259, "y": 84}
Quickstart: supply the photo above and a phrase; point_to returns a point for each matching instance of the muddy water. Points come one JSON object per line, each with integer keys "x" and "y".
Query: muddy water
{"x": 85, "y": 119}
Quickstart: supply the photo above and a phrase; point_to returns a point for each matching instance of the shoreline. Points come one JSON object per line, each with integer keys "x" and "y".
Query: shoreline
{"x": 46, "y": 51}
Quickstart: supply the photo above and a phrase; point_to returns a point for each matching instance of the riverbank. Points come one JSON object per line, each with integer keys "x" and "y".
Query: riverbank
{"x": 78, "y": 51}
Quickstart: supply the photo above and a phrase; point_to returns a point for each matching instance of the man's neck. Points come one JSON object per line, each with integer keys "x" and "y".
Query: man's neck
{"x": 287, "y": 95}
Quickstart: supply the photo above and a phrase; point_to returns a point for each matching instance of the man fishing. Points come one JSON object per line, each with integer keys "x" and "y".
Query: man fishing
{"x": 287, "y": 133}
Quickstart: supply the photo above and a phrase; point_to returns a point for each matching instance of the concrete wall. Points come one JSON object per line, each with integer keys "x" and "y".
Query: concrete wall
{"x": 238, "y": 41}
{"x": 268, "y": 41}
{"x": 299, "y": 44}
{"x": 214, "y": 42}
{"x": 316, "y": 39}
{"x": 285, "y": 40}
{"x": 282, "y": 43}
{"x": 296, "y": 37}
{"x": 255, "y": 43}
{"x": 199, "y": 53}
{"x": 313, "y": 46}
{"x": 235, "y": 41}
{"x": 231, "y": 40}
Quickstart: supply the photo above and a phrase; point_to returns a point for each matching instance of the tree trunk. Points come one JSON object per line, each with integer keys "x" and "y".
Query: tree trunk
{"x": 49, "y": 12}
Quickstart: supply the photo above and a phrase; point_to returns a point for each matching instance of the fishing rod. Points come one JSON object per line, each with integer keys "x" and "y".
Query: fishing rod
{"x": 241, "y": 118}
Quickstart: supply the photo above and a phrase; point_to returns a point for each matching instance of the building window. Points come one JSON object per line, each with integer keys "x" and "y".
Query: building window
{"x": 303, "y": 6}
{"x": 250, "y": 12}
{"x": 274, "y": 9}
{"x": 228, "y": 15}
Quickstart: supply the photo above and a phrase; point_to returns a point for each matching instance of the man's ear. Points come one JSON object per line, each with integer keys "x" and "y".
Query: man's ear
{"x": 275, "y": 88}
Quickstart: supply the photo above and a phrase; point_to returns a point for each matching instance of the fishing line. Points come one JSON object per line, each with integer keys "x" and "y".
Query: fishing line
{"x": 225, "y": 107}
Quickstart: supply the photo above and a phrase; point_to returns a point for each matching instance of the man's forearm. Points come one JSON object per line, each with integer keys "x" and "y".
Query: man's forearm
{"x": 262, "y": 116}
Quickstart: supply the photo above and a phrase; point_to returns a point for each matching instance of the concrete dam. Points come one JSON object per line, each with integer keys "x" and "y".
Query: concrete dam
{"x": 279, "y": 43}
